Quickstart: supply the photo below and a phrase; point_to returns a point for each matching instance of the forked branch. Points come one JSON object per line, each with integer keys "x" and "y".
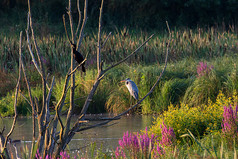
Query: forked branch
{"x": 126, "y": 58}
{"x": 15, "y": 100}
{"x": 135, "y": 105}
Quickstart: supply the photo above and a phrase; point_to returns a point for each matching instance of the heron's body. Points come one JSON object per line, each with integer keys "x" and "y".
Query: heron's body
{"x": 78, "y": 57}
{"x": 131, "y": 86}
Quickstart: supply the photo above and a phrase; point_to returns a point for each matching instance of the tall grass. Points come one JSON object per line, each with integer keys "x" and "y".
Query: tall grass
{"x": 179, "y": 83}
{"x": 198, "y": 43}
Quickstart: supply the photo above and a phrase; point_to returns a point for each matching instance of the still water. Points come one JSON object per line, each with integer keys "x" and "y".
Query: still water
{"x": 105, "y": 136}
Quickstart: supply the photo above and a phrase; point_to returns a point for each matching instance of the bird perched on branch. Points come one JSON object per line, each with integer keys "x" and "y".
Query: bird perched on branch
{"x": 131, "y": 86}
{"x": 78, "y": 57}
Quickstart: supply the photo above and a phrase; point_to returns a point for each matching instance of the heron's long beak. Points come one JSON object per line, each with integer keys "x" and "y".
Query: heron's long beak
{"x": 123, "y": 81}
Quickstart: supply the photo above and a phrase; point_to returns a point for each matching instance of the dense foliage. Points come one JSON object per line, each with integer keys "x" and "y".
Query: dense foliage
{"x": 181, "y": 83}
{"x": 200, "y": 120}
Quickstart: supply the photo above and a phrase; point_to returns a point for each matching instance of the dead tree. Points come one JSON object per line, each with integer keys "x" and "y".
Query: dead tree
{"x": 49, "y": 140}
{"x": 4, "y": 140}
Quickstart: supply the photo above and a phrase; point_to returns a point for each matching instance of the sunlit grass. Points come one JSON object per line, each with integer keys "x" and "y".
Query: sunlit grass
{"x": 179, "y": 83}
{"x": 199, "y": 43}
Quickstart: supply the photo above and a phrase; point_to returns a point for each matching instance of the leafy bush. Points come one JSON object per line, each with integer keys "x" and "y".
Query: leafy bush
{"x": 7, "y": 105}
{"x": 231, "y": 83}
{"x": 205, "y": 87}
{"x": 199, "y": 120}
{"x": 171, "y": 92}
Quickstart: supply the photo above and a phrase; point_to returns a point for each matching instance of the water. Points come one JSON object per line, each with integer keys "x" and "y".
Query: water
{"x": 107, "y": 136}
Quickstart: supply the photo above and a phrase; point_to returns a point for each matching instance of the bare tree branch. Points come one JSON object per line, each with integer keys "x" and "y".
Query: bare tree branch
{"x": 66, "y": 32}
{"x": 79, "y": 20}
{"x": 106, "y": 40}
{"x": 72, "y": 81}
{"x": 101, "y": 74}
{"x": 81, "y": 34}
{"x": 29, "y": 46}
{"x": 31, "y": 100}
{"x": 99, "y": 39}
{"x": 16, "y": 95}
{"x": 123, "y": 60}
{"x": 132, "y": 107}
{"x": 85, "y": 59}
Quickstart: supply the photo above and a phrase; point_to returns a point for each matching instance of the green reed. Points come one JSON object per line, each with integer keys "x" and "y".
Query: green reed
{"x": 179, "y": 83}
{"x": 198, "y": 43}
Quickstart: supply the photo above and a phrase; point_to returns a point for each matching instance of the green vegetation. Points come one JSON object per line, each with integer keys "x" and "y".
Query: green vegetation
{"x": 200, "y": 120}
{"x": 177, "y": 85}
{"x": 182, "y": 81}
{"x": 201, "y": 78}
{"x": 207, "y": 131}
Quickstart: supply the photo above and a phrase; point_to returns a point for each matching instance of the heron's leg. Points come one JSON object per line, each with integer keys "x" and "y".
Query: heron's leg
{"x": 130, "y": 100}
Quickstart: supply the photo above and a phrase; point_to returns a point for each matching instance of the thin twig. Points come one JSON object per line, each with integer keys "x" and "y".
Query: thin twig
{"x": 79, "y": 20}
{"x": 106, "y": 40}
{"x": 81, "y": 34}
{"x": 29, "y": 45}
{"x": 99, "y": 39}
{"x": 66, "y": 32}
{"x": 77, "y": 67}
{"x": 25, "y": 98}
{"x": 16, "y": 93}
{"x": 167, "y": 24}
{"x": 123, "y": 60}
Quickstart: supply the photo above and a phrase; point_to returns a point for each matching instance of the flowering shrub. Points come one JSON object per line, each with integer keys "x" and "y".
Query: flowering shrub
{"x": 229, "y": 123}
{"x": 168, "y": 136}
{"x": 203, "y": 69}
{"x": 135, "y": 145}
{"x": 199, "y": 120}
{"x": 63, "y": 155}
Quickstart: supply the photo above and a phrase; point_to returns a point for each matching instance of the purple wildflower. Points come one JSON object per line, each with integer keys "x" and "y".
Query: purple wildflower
{"x": 158, "y": 151}
{"x": 203, "y": 69}
{"x": 147, "y": 141}
{"x": 168, "y": 136}
{"x": 64, "y": 155}
{"x": 38, "y": 155}
{"x": 119, "y": 153}
{"x": 134, "y": 143}
{"x": 229, "y": 122}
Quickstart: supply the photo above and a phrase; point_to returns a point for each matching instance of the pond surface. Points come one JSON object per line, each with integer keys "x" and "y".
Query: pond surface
{"x": 105, "y": 136}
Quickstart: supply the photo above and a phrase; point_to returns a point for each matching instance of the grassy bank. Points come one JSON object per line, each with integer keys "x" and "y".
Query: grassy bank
{"x": 182, "y": 82}
{"x": 201, "y": 63}
{"x": 198, "y": 44}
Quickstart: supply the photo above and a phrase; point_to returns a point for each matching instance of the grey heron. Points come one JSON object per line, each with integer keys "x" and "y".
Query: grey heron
{"x": 131, "y": 86}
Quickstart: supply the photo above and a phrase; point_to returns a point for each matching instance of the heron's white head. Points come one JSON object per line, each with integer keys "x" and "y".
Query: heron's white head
{"x": 126, "y": 81}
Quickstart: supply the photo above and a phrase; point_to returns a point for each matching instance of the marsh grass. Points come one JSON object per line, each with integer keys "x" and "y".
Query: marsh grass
{"x": 179, "y": 83}
{"x": 198, "y": 43}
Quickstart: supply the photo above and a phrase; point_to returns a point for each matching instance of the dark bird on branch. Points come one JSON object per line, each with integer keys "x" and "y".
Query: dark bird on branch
{"x": 78, "y": 57}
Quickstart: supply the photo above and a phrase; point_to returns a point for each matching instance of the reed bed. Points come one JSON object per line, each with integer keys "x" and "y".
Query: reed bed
{"x": 181, "y": 81}
{"x": 198, "y": 43}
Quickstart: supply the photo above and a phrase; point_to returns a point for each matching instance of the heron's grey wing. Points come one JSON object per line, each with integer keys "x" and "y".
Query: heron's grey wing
{"x": 134, "y": 91}
{"x": 135, "y": 95}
